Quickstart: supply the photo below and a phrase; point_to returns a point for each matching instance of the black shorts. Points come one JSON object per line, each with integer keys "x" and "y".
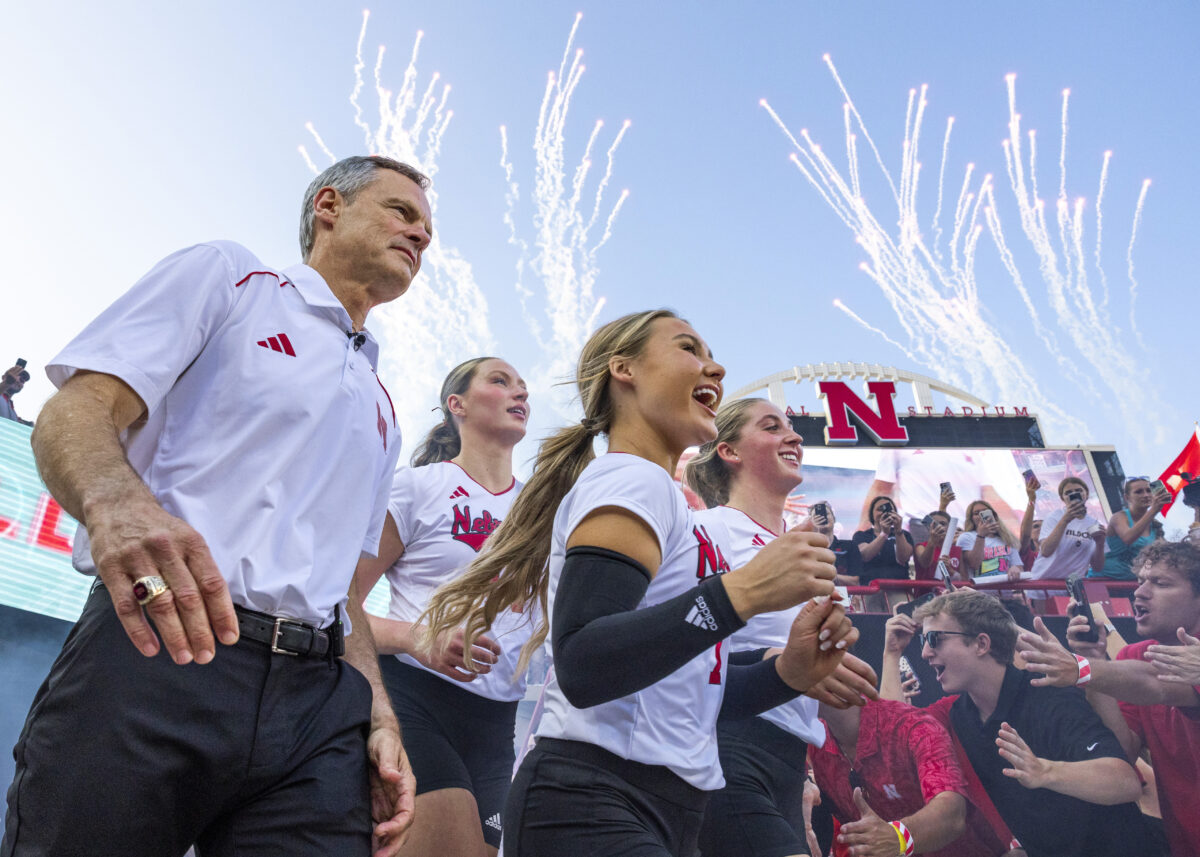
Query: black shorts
{"x": 455, "y": 739}
{"x": 759, "y": 811}
{"x": 573, "y": 798}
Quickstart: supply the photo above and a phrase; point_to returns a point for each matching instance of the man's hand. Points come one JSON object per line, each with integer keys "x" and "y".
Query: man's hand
{"x": 870, "y": 836}
{"x": 1043, "y": 653}
{"x": 1029, "y": 770}
{"x": 911, "y": 688}
{"x": 1177, "y": 663}
{"x": 1077, "y": 627}
{"x": 137, "y": 538}
{"x": 393, "y": 791}
{"x": 851, "y": 683}
{"x": 447, "y": 656}
{"x": 898, "y": 633}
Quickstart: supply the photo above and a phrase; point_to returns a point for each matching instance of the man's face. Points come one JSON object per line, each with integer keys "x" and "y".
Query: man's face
{"x": 382, "y": 234}
{"x": 1163, "y": 602}
{"x": 954, "y": 658}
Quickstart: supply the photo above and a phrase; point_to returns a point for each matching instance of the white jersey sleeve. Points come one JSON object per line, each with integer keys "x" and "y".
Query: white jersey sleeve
{"x": 148, "y": 348}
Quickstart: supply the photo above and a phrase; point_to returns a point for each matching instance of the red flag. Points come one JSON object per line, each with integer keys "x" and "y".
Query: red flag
{"x": 1188, "y": 462}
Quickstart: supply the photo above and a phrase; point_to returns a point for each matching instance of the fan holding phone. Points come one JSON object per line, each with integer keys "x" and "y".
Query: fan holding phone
{"x": 1072, "y": 540}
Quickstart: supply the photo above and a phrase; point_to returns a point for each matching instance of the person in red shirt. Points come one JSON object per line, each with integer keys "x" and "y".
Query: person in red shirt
{"x": 1140, "y": 709}
{"x": 889, "y": 762}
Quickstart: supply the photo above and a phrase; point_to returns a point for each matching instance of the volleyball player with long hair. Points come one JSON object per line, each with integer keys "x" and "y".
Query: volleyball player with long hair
{"x": 457, "y": 719}
{"x": 639, "y": 602}
{"x": 744, "y": 477}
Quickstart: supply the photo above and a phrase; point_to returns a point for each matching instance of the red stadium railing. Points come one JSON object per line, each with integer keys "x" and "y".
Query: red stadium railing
{"x": 1054, "y": 599}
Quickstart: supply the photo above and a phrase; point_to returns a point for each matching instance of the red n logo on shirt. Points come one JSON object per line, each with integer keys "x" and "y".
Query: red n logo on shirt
{"x": 709, "y": 561}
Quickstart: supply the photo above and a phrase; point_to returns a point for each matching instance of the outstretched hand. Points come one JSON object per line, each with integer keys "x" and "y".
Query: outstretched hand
{"x": 870, "y": 835}
{"x": 852, "y": 682}
{"x": 1179, "y": 664}
{"x": 1043, "y": 653}
{"x": 1028, "y": 769}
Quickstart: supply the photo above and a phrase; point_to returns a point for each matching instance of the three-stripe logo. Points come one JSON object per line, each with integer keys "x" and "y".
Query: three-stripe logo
{"x": 279, "y": 342}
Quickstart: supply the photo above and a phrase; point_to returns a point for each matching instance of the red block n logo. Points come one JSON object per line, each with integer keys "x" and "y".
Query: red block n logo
{"x": 840, "y": 401}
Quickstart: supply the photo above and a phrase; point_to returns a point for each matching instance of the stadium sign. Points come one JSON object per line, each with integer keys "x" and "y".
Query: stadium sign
{"x": 850, "y": 420}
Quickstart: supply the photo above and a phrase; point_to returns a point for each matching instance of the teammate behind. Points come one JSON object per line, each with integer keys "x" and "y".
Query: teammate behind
{"x": 745, "y": 476}
{"x": 457, "y": 722}
{"x": 639, "y": 602}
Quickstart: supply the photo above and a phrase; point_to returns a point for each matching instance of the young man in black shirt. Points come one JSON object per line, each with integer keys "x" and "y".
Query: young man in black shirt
{"x": 1042, "y": 755}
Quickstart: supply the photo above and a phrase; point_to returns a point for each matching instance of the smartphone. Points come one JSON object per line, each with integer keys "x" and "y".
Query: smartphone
{"x": 986, "y": 516}
{"x": 1028, "y": 475}
{"x": 1156, "y": 486}
{"x": 908, "y": 607}
{"x": 945, "y": 486}
{"x": 820, "y": 510}
{"x": 1082, "y": 607}
{"x": 1076, "y": 496}
{"x": 927, "y": 520}
{"x": 21, "y": 362}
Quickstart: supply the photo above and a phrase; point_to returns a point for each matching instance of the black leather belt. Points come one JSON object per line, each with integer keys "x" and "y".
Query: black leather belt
{"x": 290, "y": 637}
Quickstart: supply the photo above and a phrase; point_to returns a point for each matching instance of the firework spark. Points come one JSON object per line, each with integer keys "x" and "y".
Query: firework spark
{"x": 566, "y": 217}
{"x": 443, "y": 319}
{"x": 933, "y": 288}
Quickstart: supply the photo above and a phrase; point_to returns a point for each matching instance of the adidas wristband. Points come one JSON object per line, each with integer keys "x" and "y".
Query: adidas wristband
{"x": 605, "y": 647}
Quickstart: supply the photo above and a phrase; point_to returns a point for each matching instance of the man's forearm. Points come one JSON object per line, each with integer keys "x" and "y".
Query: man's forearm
{"x": 1110, "y": 714}
{"x": 362, "y": 655}
{"x": 1135, "y": 681}
{"x": 1104, "y": 781}
{"x": 939, "y": 822}
{"x": 78, "y": 450}
{"x": 889, "y": 677}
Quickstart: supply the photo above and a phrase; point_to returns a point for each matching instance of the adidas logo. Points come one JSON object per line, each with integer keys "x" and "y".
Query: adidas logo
{"x": 279, "y": 342}
{"x": 494, "y": 822}
{"x": 459, "y": 492}
{"x": 758, "y": 541}
{"x": 701, "y": 616}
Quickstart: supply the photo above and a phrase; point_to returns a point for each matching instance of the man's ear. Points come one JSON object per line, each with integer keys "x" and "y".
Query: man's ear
{"x": 982, "y": 644}
{"x": 328, "y": 205}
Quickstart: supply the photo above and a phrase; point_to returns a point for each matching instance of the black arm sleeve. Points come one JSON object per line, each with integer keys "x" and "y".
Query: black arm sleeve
{"x": 604, "y": 648}
{"x": 746, "y": 657}
{"x": 751, "y": 690}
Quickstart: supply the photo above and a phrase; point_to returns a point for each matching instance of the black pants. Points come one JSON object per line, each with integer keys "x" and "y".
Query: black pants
{"x": 454, "y": 739}
{"x": 252, "y": 754}
{"x": 575, "y": 799}
{"x": 759, "y": 811}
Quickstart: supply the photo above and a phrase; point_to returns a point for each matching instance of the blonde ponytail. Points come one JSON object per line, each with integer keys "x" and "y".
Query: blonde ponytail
{"x": 512, "y": 567}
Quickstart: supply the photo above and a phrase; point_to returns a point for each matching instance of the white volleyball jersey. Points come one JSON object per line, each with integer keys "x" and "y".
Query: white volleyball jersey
{"x": 443, "y": 517}
{"x": 743, "y": 537}
{"x": 266, "y": 428}
{"x": 673, "y": 722}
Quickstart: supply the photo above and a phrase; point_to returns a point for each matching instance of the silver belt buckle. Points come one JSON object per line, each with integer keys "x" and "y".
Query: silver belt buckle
{"x": 275, "y": 639}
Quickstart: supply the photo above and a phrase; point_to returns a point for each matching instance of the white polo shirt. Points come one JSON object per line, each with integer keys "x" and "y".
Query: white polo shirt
{"x": 743, "y": 537}
{"x": 672, "y": 722}
{"x": 443, "y": 517}
{"x": 267, "y": 430}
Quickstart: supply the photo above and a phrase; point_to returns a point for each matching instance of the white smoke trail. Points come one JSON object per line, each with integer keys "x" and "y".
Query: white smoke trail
{"x": 565, "y": 217}
{"x": 443, "y": 319}
{"x": 1133, "y": 283}
{"x": 1100, "y": 229}
{"x": 935, "y": 293}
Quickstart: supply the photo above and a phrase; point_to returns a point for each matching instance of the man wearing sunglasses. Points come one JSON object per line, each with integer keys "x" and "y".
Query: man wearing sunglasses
{"x": 13, "y": 382}
{"x": 1042, "y": 755}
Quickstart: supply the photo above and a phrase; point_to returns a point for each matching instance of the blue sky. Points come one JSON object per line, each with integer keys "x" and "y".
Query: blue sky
{"x": 134, "y": 129}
